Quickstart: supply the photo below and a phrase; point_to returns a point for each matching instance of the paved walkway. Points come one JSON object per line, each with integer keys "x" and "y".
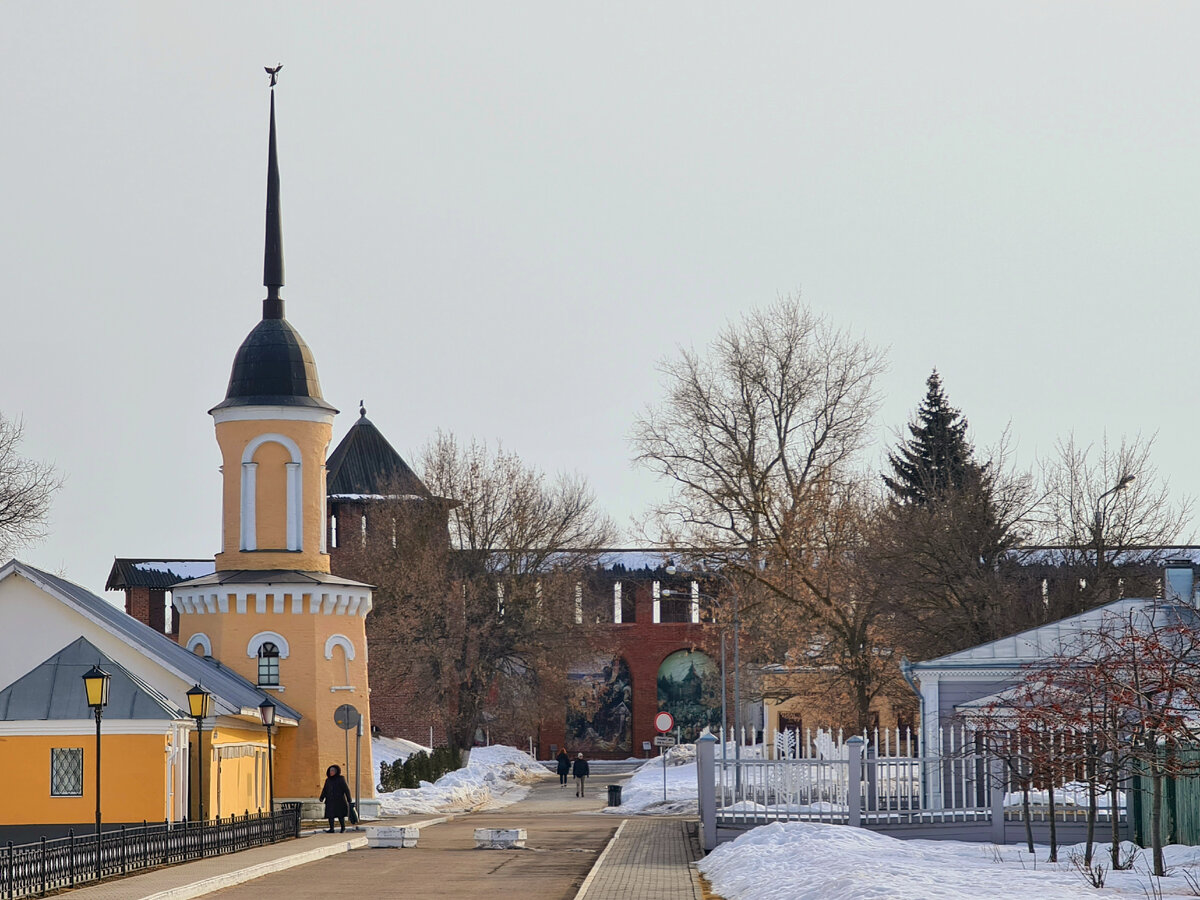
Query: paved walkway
{"x": 573, "y": 851}
{"x": 204, "y": 876}
{"x": 648, "y": 859}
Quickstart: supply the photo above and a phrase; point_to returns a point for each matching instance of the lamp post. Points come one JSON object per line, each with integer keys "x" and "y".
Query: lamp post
{"x": 95, "y": 685}
{"x": 1121, "y": 484}
{"x": 667, "y": 592}
{"x": 199, "y": 701}
{"x": 266, "y": 712}
{"x": 737, "y": 692}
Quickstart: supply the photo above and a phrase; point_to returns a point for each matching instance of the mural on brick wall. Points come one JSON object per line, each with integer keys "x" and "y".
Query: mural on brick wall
{"x": 599, "y": 707}
{"x": 689, "y": 688}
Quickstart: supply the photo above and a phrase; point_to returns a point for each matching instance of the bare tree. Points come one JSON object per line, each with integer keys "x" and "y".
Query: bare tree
{"x": 481, "y": 615}
{"x": 759, "y": 437}
{"x": 1112, "y": 517}
{"x": 26, "y": 490}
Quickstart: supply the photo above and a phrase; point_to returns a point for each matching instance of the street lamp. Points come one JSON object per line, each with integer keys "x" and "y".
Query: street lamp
{"x": 95, "y": 686}
{"x": 667, "y": 592}
{"x": 199, "y": 701}
{"x": 737, "y": 692}
{"x": 266, "y": 712}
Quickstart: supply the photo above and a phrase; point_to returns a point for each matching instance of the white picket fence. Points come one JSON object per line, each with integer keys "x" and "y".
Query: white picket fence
{"x": 870, "y": 779}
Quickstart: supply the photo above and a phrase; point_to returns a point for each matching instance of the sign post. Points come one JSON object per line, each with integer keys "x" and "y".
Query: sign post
{"x": 664, "y": 722}
{"x": 347, "y": 718}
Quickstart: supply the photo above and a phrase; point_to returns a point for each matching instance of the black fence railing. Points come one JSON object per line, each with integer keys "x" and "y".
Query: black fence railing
{"x": 28, "y": 870}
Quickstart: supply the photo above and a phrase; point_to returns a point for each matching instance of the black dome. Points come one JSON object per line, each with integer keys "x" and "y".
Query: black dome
{"x": 274, "y": 367}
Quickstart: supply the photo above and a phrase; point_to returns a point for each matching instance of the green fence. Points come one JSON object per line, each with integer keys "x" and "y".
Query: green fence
{"x": 1181, "y": 801}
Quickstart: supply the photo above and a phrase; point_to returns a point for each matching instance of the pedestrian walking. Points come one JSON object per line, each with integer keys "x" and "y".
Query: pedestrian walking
{"x": 336, "y": 794}
{"x": 564, "y": 767}
{"x": 580, "y": 771}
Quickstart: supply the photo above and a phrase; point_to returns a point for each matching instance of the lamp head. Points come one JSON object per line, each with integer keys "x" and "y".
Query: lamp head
{"x": 670, "y": 567}
{"x": 266, "y": 712}
{"x": 199, "y": 701}
{"x": 95, "y": 685}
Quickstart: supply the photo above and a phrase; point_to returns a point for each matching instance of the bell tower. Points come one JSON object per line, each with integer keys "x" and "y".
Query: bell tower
{"x": 272, "y": 611}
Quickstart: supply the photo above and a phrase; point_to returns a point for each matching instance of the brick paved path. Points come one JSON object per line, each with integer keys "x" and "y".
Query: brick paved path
{"x": 648, "y": 860}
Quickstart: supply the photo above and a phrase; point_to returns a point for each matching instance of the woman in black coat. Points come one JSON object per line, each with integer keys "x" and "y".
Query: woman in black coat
{"x": 580, "y": 770}
{"x": 336, "y": 794}
{"x": 564, "y": 767}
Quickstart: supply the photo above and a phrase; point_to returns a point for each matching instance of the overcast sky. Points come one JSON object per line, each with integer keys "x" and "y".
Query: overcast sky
{"x": 499, "y": 217}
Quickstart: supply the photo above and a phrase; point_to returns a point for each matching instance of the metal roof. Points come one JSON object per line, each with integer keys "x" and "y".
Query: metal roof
{"x": 232, "y": 694}
{"x": 270, "y": 576}
{"x": 365, "y": 464}
{"x": 1056, "y": 637}
{"x": 160, "y": 574}
{"x": 274, "y": 367}
{"x": 54, "y": 690}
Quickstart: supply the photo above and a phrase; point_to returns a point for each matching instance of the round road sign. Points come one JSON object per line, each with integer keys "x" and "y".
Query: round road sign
{"x": 664, "y": 722}
{"x": 346, "y": 717}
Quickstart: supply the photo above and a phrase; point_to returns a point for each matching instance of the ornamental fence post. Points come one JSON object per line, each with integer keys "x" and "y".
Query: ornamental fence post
{"x": 998, "y": 779}
{"x": 854, "y": 780}
{"x": 706, "y": 776}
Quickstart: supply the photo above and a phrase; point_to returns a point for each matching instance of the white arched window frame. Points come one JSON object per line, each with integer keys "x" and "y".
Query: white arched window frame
{"x": 340, "y": 640}
{"x": 268, "y": 637}
{"x": 201, "y": 640}
{"x": 249, "y": 511}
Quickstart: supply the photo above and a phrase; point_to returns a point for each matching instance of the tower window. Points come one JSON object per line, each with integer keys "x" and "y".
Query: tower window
{"x": 268, "y": 664}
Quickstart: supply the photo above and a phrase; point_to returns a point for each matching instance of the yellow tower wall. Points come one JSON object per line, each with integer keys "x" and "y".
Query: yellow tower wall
{"x": 271, "y": 495}
{"x": 309, "y": 682}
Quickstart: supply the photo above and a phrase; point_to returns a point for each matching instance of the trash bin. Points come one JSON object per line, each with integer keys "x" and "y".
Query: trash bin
{"x": 614, "y": 795}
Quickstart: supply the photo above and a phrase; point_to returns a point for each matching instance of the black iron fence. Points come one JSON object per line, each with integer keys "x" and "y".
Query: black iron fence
{"x": 28, "y": 870}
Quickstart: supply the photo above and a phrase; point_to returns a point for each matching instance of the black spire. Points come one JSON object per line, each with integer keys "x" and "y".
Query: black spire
{"x": 273, "y": 248}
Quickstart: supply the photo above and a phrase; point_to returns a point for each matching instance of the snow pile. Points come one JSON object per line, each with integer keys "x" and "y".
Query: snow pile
{"x": 643, "y": 793}
{"x": 494, "y": 777}
{"x": 808, "y": 861}
{"x": 1073, "y": 793}
{"x": 388, "y": 750}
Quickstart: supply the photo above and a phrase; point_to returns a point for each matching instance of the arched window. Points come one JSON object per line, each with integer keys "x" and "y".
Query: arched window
{"x": 268, "y": 665}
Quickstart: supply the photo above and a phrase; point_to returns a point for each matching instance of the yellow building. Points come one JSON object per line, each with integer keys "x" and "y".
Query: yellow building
{"x": 51, "y": 631}
{"x": 272, "y": 611}
{"x": 270, "y": 622}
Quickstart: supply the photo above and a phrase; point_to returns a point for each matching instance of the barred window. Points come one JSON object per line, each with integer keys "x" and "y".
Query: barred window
{"x": 268, "y": 664}
{"x": 66, "y": 772}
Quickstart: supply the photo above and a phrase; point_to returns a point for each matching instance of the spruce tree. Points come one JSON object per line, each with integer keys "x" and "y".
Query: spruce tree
{"x": 937, "y": 457}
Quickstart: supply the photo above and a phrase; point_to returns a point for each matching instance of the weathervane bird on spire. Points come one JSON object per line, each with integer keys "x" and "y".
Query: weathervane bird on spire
{"x": 274, "y": 73}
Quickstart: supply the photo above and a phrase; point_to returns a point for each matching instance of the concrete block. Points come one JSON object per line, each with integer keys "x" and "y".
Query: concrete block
{"x": 392, "y": 836}
{"x": 500, "y": 838}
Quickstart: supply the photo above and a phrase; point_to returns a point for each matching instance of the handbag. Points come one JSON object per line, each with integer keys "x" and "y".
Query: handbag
{"x": 353, "y": 813}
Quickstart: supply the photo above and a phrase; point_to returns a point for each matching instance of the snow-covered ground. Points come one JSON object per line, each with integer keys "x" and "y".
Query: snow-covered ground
{"x": 803, "y": 861}
{"x": 643, "y": 793}
{"x": 388, "y": 750}
{"x": 494, "y": 777}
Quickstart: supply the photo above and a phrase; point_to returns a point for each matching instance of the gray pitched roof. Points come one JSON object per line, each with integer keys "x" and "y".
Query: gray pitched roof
{"x": 1055, "y": 637}
{"x": 232, "y": 694}
{"x": 54, "y": 690}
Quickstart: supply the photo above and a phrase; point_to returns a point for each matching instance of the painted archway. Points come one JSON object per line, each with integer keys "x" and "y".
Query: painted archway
{"x": 600, "y": 706}
{"x": 689, "y": 688}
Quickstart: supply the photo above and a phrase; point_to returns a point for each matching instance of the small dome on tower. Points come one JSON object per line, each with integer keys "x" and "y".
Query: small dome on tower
{"x": 274, "y": 367}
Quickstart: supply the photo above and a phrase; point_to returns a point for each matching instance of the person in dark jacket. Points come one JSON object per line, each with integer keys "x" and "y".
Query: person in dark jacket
{"x": 336, "y": 794}
{"x": 564, "y": 767}
{"x": 580, "y": 770}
